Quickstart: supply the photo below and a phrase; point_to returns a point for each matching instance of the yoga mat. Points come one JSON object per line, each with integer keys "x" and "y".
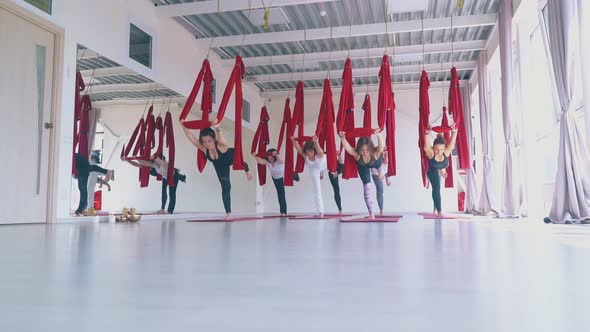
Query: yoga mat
{"x": 312, "y": 217}
{"x": 221, "y": 219}
{"x": 335, "y": 215}
{"x": 433, "y": 216}
{"x": 366, "y": 220}
{"x": 279, "y": 216}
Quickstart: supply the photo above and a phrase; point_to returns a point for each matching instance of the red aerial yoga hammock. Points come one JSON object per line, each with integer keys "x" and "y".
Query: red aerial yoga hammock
{"x": 367, "y": 108}
{"x": 298, "y": 123}
{"x": 205, "y": 75}
{"x": 366, "y": 129}
{"x": 235, "y": 80}
{"x": 447, "y": 135}
{"x": 325, "y": 127}
{"x": 80, "y": 86}
{"x": 345, "y": 119}
{"x": 424, "y": 109}
{"x": 456, "y": 109}
{"x": 260, "y": 142}
{"x": 286, "y": 130}
{"x": 142, "y": 142}
{"x": 385, "y": 114}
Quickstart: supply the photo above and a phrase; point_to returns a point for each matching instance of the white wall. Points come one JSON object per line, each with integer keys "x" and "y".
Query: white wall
{"x": 104, "y": 27}
{"x": 406, "y": 193}
{"x": 201, "y": 192}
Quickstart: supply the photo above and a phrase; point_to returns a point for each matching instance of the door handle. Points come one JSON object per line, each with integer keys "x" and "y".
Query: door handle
{"x": 48, "y": 125}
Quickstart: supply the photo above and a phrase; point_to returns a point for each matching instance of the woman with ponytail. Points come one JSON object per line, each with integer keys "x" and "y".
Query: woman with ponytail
{"x": 438, "y": 160}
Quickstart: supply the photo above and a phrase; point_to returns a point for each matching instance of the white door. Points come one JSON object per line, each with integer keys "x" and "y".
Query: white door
{"x": 26, "y": 77}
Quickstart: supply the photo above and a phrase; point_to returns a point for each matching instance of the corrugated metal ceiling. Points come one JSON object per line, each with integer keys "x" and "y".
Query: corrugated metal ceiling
{"x": 340, "y": 13}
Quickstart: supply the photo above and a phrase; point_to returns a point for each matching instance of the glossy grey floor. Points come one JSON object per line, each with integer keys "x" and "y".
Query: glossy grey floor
{"x": 305, "y": 275}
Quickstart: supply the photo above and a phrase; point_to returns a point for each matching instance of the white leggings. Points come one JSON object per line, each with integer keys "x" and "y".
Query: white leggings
{"x": 317, "y": 192}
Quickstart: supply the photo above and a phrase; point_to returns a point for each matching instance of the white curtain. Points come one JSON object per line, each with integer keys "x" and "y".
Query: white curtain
{"x": 584, "y": 19}
{"x": 487, "y": 201}
{"x": 571, "y": 196}
{"x": 512, "y": 198}
{"x": 471, "y": 190}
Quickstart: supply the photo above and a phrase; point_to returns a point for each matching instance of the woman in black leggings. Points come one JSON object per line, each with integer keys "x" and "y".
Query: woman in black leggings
{"x": 215, "y": 148}
{"x": 334, "y": 182}
{"x": 438, "y": 160}
{"x": 276, "y": 166}
{"x": 83, "y": 169}
{"x": 159, "y": 166}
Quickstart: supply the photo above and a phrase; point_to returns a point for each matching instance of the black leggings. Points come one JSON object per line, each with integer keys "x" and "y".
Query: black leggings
{"x": 83, "y": 169}
{"x": 280, "y": 186}
{"x": 222, "y": 165}
{"x": 336, "y": 186}
{"x": 171, "y": 190}
{"x": 434, "y": 178}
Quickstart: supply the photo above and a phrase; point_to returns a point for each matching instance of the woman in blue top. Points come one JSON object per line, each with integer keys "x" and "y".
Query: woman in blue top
{"x": 438, "y": 156}
{"x": 367, "y": 157}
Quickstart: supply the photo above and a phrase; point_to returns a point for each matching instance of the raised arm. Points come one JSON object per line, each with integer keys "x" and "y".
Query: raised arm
{"x": 297, "y": 147}
{"x": 258, "y": 159}
{"x": 221, "y": 142}
{"x": 379, "y": 149}
{"x": 318, "y": 149}
{"x": 140, "y": 163}
{"x": 451, "y": 146}
{"x": 351, "y": 151}
{"x": 196, "y": 142}
{"x": 428, "y": 150}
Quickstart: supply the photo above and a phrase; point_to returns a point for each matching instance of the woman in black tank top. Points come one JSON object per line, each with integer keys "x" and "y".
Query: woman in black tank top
{"x": 367, "y": 156}
{"x": 215, "y": 148}
{"x": 438, "y": 160}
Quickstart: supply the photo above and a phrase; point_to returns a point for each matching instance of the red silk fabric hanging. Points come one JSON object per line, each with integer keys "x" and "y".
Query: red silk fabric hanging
{"x": 84, "y": 128}
{"x": 385, "y": 99}
{"x": 456, "y": 110}
{"x": 367, "y": 122}
{"x": 298, "y": 123}
{"x": 205, "y": 75}
{"x": 424, "y": 109}
{"x": 325, "y": 127}
{"x": 345, "y": 119}
{"x": 169, "y": 129}
{"x": 260, "y": 143}
{"x": 80, "y": 86}
{"x": 286, "y": 130}
{"x": 390, "y": 139}
{"x": 386, "y": 114}
{"x": 235, "y": 80}
{"x": 447, "y": 135}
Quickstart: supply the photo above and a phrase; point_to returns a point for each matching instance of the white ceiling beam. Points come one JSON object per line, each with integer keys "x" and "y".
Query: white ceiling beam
{"x": 138, "y": 101}
{"x": 462, "y": 46}
{"x": 211, "y": 6}
{"x": 109, "y": 71}
{"x": 122, "y": 88}
{"x": 362, "y": 72}
{"x": 360, "y": 89}
{"x": 354, "y": 31}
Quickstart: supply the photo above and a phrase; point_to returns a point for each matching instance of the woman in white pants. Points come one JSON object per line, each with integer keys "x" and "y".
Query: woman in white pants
{"x": 316, "y": 163}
